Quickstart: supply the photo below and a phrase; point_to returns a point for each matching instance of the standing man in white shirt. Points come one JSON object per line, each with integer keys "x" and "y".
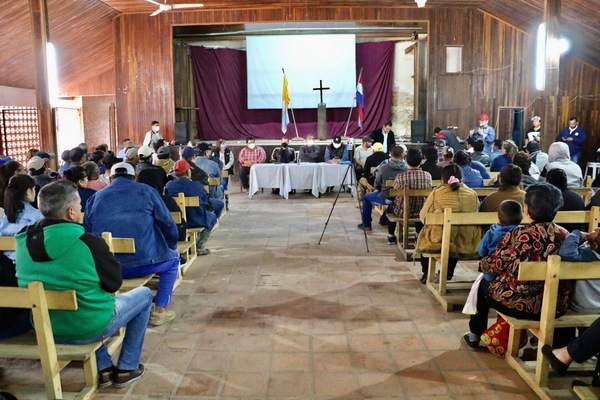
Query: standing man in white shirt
{"x": 153, "y": 135}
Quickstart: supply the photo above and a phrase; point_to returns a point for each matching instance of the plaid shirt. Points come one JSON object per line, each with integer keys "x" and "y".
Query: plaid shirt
{"x": 414, "y": 179}
{"x": 257, "y": 155}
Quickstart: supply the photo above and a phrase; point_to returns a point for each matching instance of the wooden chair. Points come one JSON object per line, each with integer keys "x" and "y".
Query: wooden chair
{"x": 536, "y": 373}
{"x": 40, "y": 343}
{"x": 226, "y": 193}
{"x": 186, "y": 248}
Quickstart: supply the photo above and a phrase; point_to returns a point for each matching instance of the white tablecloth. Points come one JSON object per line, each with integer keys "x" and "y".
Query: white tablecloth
{"x": 286, "y": 177}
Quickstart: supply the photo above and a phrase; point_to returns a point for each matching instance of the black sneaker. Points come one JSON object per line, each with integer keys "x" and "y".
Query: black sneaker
{"x": 366, "y": 228}
{"x": 105, "y": 377}
{"x": 384, "y": 223}
{"x": 471, "y": 345}
{"x": 392, "y": 240}
{"x": 124, "y": 378}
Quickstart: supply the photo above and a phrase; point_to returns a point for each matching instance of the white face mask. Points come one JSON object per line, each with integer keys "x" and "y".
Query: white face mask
{"x": 337, "y": 145}
{"x": 251, "y": 145}
{"x": 310, "y": 142}
{"x": 156, "y": 128}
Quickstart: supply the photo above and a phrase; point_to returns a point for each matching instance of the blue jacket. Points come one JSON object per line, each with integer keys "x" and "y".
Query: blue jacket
{"x": 213, "y": 170}
{"x": 490, "y": 136}
{"x": 490, "y": 241}
{"x": 578, "y": 136}
{"x": 471, "y": 177}
{"x": 130, "y": 209}
{"x": 499, "y": 162}
{"x": 197, "y": 217}
{"x": 481, "y": 168}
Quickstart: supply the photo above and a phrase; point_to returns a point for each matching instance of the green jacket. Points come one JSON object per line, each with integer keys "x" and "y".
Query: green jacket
{"x": 62, "y": 256}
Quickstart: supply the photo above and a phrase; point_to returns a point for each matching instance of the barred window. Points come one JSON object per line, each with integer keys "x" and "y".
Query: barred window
{"x": 19, "y": 132}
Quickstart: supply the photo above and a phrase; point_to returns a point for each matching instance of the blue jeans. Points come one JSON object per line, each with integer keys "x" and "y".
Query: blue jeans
{"x": 132, "y": 309}
{"x": 218, "y": 205}
{"x": 21, "y": 325}
{"x": 575, "y": 157}
{"x": 167, "y": 275}
{"x": 370, "y": 200}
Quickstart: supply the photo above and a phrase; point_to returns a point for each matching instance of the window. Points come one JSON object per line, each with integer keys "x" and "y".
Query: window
{"x": 453, "y": 59}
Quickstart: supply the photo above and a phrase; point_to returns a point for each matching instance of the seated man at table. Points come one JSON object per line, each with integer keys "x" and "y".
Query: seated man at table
{"x": 310, "y": 152}
{"x": 250, "y": 155}
{"x": 336, "y": 152}
{"x": 283, "y": 154}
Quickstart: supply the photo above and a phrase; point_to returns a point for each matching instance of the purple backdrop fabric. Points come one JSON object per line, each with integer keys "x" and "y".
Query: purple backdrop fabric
{"x": 221, "y": 96}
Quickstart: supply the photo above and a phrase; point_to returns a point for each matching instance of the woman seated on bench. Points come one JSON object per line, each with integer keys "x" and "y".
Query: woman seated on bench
{"x": 452, "y": 193}
{"x": 534, "y": 241}
{"x": 18, "y": 213}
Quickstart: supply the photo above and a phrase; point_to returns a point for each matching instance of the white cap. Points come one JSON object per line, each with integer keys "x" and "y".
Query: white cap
{"x": 145, "y": 151}
{"x": 122, "y": 168}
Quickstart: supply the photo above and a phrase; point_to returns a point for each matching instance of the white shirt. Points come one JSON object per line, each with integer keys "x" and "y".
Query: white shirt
{"x": 385, "y": 135}
{"x": 151, "y": 137}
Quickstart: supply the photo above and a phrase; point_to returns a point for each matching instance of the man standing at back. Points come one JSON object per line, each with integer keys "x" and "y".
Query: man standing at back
{"x": 129, "y": 209}
{"x": 484, "y": 132}
{"x": 385, "y": 136}
{"x": 153, "y": 135}
{"x": 574, "y": 136}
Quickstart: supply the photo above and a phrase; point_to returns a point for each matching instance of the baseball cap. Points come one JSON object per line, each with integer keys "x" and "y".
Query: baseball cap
{"x": 164, "y": 150}
{"x": 202, "y": 147}
{"x": 65, "y": 155}
{"x": 337, "y": 139}
{"x": 46, "y": 156}
{"x": 440, "y": 135}
{"x": 122, "y": 168}
{"x": 532, "y": 146}
{"x": 484, "y": 117}
{"x": 4, "y": 160}
{"x": 367, "y": 139}
{"x": 131, "y": 153}
{"x": 188, "y": 153}
{"x": 537, "y": 117}
{"x": 76, "y": 154}
{"x": 35, "y": 163}
{"x": 181, "y": 166}
{"x": 145, "y": 151}
{"x": 110, "y": 159}
{"x": 377, "y": 146}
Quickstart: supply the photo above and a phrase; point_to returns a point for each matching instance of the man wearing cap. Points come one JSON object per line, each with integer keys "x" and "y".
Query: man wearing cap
{"x": 152, "y": 135}
{"x": 250, "y": 155}
{"x": 197, "y": 217}
{"x": 361, "y": 153}
{"x": 283, "y": 154}
{"x": 109, "y": 160}
{"x": 538, "y": 157}
{"x": 213, "y": 170}
{"x": 574, "y": 136}
{"x": 36, "y": 167}
{"x": 335, "y": 152}
{"x": 164, "y": 161}
{"x": 385, "y": 136}
{"x": 129, "y": 209}
{"x": 534, "y": 132}
{"x": 150, "y": 171}
{"x": 131, "y": 156}
{"x": 484, "y": 132}
{"x": 367, "y": 182}
{"x": 75, "y": 158}
{"x": 450, "y": 138}
{"x": 189, "y": 154}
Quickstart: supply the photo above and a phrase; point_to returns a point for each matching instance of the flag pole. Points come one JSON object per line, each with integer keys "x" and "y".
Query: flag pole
{"x": 352, "y": 107}
{"x": 294, "y": 121}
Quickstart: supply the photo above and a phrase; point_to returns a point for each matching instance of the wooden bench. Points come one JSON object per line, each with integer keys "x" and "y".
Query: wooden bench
{"x": 226, "y": 193}
{"x": 454, "y": 293}
{"x": 40, "y": 343}
{"x": 536, "y": 373}
{"x": 186, "y": 248}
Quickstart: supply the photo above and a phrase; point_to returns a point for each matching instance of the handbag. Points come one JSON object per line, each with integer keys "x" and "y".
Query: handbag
{"x": 496, "y": 338}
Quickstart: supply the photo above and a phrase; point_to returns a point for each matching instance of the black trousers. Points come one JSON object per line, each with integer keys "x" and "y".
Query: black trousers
{"x": 245, "y": 177}
{"x": 586, "y": 345}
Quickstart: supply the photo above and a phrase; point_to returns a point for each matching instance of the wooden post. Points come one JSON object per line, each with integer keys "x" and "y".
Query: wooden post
{"x": 550, "y": 95}
{"x": 38, "y": 14}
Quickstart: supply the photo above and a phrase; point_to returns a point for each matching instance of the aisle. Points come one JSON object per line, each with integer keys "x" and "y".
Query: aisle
{"x": 269, "y": 314}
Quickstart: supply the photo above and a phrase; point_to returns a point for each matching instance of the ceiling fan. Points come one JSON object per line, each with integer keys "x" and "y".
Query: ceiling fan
{"x": 168, "y": 7}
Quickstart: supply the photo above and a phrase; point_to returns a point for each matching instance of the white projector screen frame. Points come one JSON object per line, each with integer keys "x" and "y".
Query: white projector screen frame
{"x": 306, "y": 60}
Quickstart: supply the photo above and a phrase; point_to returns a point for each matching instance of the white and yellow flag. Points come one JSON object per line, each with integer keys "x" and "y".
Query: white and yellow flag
{"x": 285, "y": 102}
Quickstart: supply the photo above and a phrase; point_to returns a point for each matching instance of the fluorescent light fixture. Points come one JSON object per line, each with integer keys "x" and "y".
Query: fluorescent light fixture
{"x": 563, "y": 45}
{"x": 420, "y": 3}
{"x": 52, "y": 74}
{"x": 540, "y": 58}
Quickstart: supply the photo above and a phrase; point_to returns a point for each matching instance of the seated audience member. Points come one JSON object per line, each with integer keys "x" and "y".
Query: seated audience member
{"x": 127, "y": 143}
{"x": 447, "y": 155}
{"x": 197, "y": 217}
{"x": 478, "y": 154}
{"x": 414, "y": 178}
{"x": 18, "y": 213}
{"x": 78, "y": 176}
{"x": 509, "y": 149}
{"x": 388, "y": 171}
{"x": 361, "y": 153}
{"x": 283, "y": 154}
{"x": 510, "y": 214}
{"x": 190, "y": 155}
{"x": 146, "y": 167}
{"x": 109, "y": 160}
{"x": 148, "y": 221}
{"x": 226, "y": 157}
{"x": 463, "y": 242}
{"x": 213, "y": 170}
{"x": 93, "y": 174}
{"x": 336, "y": 151}
{"x": 32, "y": 153}
{"x": 471, "y": 177}
{"x": 78, "y": 156}
{"x": 155, "y": 146}
{"x": 523, "y": 161}
{"x": 310, "y": 152}
{"x": 450, "y": 139}
{"x": 496, "y": 149}
{"x": 430, "y": 164}
{"x": 7, "y": 171}
{"x": 538, "y": 157}
{"x": 572, "y": 201}
{"x": 579, "y": 350}
{"x": 97, "y": 157}
{"x": 131, "y": 156}
{"x": 534, "y": 241}
{"x": 249, "y": 155}
{"x": 65, "y": 161}
{"x": 558, "y": 157}
{"x": 39, "y": 172}
{"x": 510, "y": 182}
{"x": 58, "y": 252}
{"x": 585, "y": 297}
{"x": 368, "y": 180}
{"x": 163, "y": 155}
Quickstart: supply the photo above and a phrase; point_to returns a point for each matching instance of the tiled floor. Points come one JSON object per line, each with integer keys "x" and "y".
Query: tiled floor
{"x": 270, "y": 314}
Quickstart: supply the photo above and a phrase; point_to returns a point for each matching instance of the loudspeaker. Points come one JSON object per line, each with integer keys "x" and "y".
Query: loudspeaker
{"x": 181, "y": 133}
{"x": 417, "y": 131}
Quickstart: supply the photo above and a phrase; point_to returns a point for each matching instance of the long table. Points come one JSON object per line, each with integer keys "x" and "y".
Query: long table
{"x": 316, "y": 177}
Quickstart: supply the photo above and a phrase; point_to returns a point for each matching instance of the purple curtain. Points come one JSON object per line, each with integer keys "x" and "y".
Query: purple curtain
{"x": 219, "y": 77}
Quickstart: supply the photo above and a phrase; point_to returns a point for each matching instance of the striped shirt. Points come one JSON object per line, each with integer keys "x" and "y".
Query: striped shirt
{"x": 414, "y": 179}
{"x": 256, "y": 154}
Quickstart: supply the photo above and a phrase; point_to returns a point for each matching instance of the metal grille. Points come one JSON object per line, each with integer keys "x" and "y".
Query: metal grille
{"x": 19, "y": 132}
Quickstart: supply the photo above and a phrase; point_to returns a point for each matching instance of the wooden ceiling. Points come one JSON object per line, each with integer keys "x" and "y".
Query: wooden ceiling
{"x": 82, "y": 30}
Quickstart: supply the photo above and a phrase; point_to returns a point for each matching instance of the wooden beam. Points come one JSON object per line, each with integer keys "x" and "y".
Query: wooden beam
{"x": 38, "y": 13}
{"x": 552, "y": 20}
